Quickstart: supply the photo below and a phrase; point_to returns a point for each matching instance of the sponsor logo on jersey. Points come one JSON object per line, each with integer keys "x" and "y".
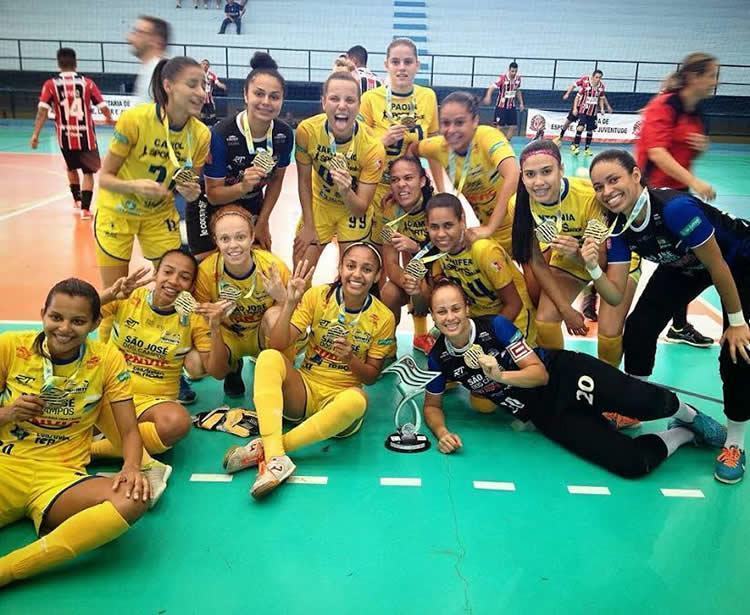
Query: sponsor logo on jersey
{"x": 690, "y": 227}
{"x": 24, "y": 379}
{"x": 23, "y": 353}
{"x": 132, "y": 323}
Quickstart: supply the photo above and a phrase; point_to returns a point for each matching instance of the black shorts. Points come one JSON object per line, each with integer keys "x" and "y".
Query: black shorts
{"x": 208, "y": 113}
{"x": 198, "y": 223}
{"x": 588, "y": 122}
{"x": 86, "y": 160}
{"x": 506, "y": 117}
{"x": 572, "y": 117}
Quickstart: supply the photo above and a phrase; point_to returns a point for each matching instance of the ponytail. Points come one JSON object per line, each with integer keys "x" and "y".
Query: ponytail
{"x": 168, "y": 70}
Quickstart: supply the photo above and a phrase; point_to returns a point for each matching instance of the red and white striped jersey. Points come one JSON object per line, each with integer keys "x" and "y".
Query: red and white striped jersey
{"x": 589, "y": 96}
{"x": 507, "y": 89}
{"x": 367, "y": 79}
{"x": 208, "y": 85}
{"x": 70, "y": 97}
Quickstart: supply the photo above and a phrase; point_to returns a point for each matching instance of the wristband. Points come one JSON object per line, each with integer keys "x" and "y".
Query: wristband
{"x": 736, "y": 319}
{"x": 595, "y": 273}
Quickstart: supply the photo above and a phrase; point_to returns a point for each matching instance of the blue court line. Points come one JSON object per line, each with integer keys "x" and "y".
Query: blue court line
{"x": 410, "y": 15}
{"x": 410, "y": 4}
{"x": 417, "y": 38}
{"x": 410, "y": 26}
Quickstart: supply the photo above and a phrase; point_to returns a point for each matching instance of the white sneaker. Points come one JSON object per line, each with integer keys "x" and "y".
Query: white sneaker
{"x": 86, "y": 214}
{"x": 271, "y": 474}
{"x": 158, "y": 474}
{"x": 241, "y": 457}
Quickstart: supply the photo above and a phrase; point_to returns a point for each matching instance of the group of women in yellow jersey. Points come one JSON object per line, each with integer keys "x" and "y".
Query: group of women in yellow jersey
{"x": 362, "y": 183}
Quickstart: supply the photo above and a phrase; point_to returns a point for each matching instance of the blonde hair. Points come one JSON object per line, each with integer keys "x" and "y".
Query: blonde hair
{"x": 694, "y": 64}
{"x": 230, "y": 210}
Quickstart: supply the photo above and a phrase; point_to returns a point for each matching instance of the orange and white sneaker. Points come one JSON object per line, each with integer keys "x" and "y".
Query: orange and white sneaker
{"x": 620, "y": 421}
{"x": 271, "y": 474}
{"x": 423, "y": 343}
{"x": 241, "y": 457}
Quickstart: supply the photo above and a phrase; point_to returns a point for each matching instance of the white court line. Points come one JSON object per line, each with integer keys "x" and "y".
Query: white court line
{"x": 34, "y": 205}
{"x": 211, "y": 478}
{"x": 494, "y": 486}
{"x": 682, "y": 493}
{"x": 400, "y": 482}
{"x": 584, "y": 490}
{"x": 20, "y": 322}
{"x": 308, "y": 480}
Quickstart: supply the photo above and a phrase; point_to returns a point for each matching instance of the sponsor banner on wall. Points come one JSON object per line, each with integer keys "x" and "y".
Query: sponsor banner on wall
{"x": 610, "y": 128}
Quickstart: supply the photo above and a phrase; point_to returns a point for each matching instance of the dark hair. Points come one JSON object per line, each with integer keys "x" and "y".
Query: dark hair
{"x": 184, "y": 253}
{"x": 694, "y": 64}
{"x": 229, "y": 210}
{"x": 341, "y": 76}
{"x": 513, "y": 65}
{"x": 621, "y": 157}
{"x": 66, "y": 58}
{"x": 467, "y": 99}
{"x": 72, "y": 287}
{"x": 160, "y": 28}
{"x": 397, "y": 42}
{"x": 598, "y": 72}
{"x": 170, "y": 70}
{"x": 359, "y": 54}
{"x": 523, "y": 221}
{"x": 443, "y": 282}
{"x": 374, "y": 290}
{"x": 263, "y": 64}
{"x": 427, "y": 190}
{"x": 445, "y": 200}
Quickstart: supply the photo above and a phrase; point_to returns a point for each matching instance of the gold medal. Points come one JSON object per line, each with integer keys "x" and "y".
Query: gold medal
{"x": 264, "y": 161}
{"x": 409, "y": 121}
{"x": 416, "y": 269}
{"x": 596, "y": 230}
{"x": 185, "y": 175}
{"x": 472, "y": 356}
{"x": 338, "y": 162}
{"x": 386, "y": 235}
{"x": 185, "y": 304}
{"x": 546, "y": 231}
{"x": 229, "y": 292}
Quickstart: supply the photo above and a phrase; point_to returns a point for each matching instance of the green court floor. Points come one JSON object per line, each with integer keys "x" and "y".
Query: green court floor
{"x": 442, "y": 545}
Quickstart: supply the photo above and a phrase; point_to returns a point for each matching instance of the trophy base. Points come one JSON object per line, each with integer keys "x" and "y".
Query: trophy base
{"x": 407, "y": 443}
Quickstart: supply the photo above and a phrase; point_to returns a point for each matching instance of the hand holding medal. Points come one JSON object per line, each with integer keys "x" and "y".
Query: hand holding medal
{"x": 185, "y": 305}
{"x": 390, "y": 228}
{"x": 264, "y": 161}
{"x": 472, "y": 356}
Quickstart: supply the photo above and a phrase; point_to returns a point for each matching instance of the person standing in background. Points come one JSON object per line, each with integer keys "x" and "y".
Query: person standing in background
{"x": 673, "y": 135}
{"x": 208, "y": 113}
{"x": 508, "y": 86}
{"x": 149, "y": 39}
{"x": 368, "y": 80}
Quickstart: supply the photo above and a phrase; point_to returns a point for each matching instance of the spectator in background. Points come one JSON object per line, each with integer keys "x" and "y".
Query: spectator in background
{"x": 195, "y": 4}
{"x": 368, "y": 80}
{"x": 70, "y": 96}
{"x": 208, "y": 112}
{"x": 233, "y": 12}
{"x": 149, "y": 39}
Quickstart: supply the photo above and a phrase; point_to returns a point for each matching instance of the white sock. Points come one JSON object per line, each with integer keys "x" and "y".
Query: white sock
{"x": 736, "y": 434}
{"x": 685, "y": 413}
{"x": 675, "y": 438}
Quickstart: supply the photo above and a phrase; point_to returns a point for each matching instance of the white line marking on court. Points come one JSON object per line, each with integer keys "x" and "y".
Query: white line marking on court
{"x": 33, "y": 205}
{"x": 211, "y": 478}
{"x": 711, "y": 308}
{"x": 106, "y": 474}
{"x": 494, "y": 486}
{"x": 20, "y": 322}
{"x": 584, "y": 490}
{"x": 682, "y": 493}
{"x": 308, "y": 480}
{"x": 400, "y": 482}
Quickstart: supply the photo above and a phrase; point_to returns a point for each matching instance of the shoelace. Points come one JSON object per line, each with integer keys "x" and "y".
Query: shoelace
{"x": 730, "y": 457}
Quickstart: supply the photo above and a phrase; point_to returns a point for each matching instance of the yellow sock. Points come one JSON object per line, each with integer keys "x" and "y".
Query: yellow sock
{"x": 270, "y": 371}
{"x": 609, "y": 349}
{"x": 345, "y": 409}
{"x": 549, "y": 335}
{"x": 84, "y": 531}
{"x": 480, "y": 404}
{"x": 151, "y": 440}
{"x": 420, "y": 325}
{"x": 111, "y": 446}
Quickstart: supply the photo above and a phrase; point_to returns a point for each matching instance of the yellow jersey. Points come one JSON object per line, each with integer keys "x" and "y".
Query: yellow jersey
{"x": 380, "y": 109}
{"x": 481, "y": 270}
{"x": 371, "y": 331}
{"x": 248, "y": 313}
{"x": 154, "y": 342}
{"x": 62, "y": 434}
{"x": 141, "y": 139}
{"x": 365, "y": 157}
{"x": 489, "y": 148}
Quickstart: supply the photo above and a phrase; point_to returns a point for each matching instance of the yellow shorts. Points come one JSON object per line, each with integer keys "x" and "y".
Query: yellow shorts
{"x": 380, "y": 216}
{"x": 115, "y": 232}
{"x": 245, "y": 345}
{"x": 29, "y": 487}
{"x": 337, "y": 221}
{"x": 578, "y": 270}
{"x": 318, "y": 396}
{"x": 146, "y": 402}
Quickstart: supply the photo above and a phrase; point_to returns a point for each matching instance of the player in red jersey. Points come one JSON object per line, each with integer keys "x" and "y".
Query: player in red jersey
{"x": 585, "y": 84}
{"x": 508, "y": 87}
{"x": 71, "y": 96}
{"x": 591, "y": 101}
{"x": 208, "y": 112}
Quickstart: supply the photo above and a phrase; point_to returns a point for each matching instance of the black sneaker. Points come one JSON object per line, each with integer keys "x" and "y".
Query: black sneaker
{"x": 233, "y": 385}
{"x": 688, "y": 335}
{"x": 187, "y": 396}
{"x": 589, "y": 306}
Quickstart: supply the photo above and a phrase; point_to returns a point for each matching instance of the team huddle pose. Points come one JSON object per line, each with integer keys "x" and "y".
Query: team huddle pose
{"x": 498, "y": 293}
